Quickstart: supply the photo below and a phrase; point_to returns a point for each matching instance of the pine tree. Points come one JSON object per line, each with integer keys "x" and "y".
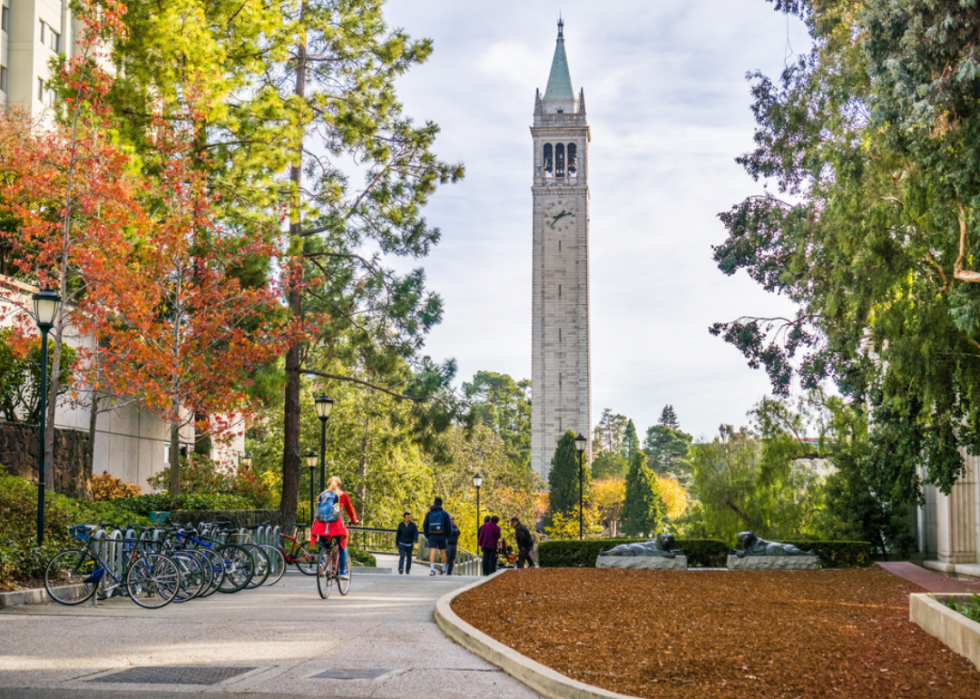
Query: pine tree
{"x": 669, "y": 418}
{"x": 563, "y": 480}
{"x": 643, "y": 507}
{"x": 631, "y": 442}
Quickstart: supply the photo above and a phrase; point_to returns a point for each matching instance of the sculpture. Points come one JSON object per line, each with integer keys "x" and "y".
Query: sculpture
{"x": 748, "y": 544}
{"x": 662, "y": 547}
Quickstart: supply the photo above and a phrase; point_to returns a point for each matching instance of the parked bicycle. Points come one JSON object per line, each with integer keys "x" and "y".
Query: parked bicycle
{"x": 300, "y": 554}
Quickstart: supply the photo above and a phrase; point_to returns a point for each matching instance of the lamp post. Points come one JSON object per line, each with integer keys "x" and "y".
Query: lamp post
{"x": 580, "y": 448}
{"x": 247, "y": 460}
{"x": 323, "y": 407}
{"x": 311, "y": 464}
{"x": 46, "y": 304}
{"x": 477, "y": 482}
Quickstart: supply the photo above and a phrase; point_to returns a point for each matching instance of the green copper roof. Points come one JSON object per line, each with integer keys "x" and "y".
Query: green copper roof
{"x": 559, "y": 82}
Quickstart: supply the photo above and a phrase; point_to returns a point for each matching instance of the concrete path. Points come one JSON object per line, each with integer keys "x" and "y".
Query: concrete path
{"x": 279, "y": 636}
{"x": 929, "y": 581}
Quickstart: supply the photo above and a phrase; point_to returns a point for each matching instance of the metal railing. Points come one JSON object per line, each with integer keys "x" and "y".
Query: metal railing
{"x": 466, "y": 563}
{"x": 373, "y": 540}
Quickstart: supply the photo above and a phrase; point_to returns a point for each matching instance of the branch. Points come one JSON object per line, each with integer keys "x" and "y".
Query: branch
{"x": 351, "y": 379}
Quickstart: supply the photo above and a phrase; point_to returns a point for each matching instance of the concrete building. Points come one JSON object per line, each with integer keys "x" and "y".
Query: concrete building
{"x": 949, "y": 525}
{"x": 33, "y": 32}
{"x": 560, "y": 372}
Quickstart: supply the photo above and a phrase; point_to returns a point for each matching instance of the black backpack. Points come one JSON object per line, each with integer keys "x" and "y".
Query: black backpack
{"x": 437, "y": 522}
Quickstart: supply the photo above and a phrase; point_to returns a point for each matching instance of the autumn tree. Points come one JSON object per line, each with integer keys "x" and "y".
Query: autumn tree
{"x": 608, "y": 495}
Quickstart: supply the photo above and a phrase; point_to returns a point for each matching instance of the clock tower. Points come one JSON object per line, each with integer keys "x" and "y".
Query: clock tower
{"x": 561, "y": 390}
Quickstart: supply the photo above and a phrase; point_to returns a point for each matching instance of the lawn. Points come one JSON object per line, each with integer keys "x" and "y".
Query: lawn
{"x": 724, "y": 634}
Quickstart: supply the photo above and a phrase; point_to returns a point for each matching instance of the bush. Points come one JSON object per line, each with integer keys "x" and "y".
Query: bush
{"x": 837, "y": 554}
{"x": 143, "y": 505}
{"x": 707, "y": 553}
{"x": 202, "y": 476}
{"x": 106, "y": 487}
{"x": 362, "y": 558}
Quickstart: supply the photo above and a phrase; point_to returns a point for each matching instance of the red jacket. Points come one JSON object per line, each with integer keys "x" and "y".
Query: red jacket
{"x": 488, "y": 536}
{"x": 335, "y": 528}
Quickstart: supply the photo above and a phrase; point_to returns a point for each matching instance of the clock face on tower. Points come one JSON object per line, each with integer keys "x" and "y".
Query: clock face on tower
{"x": 559, "y": 216}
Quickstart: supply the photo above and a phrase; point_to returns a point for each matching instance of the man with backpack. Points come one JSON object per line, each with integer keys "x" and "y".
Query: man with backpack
{"x": 522, "y": 536}
{"x": 436, "y": 528}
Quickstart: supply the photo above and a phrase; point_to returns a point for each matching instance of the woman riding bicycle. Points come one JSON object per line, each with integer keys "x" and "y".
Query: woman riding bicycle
{"x": 325, "y": 528}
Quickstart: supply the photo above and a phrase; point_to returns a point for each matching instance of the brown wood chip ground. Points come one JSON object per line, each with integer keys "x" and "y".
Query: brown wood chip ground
{"x": 722, "y": 634}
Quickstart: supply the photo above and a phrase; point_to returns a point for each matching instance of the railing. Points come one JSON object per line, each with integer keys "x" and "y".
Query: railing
{"x": 373, "y": 540}
{"x": 466, "y": 563}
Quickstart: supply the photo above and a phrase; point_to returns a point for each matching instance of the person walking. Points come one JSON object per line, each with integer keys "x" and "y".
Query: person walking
{"x": 489, "y": 535}
{"x": 436, "y": 528}
{"x": 452, "y": 542}
{"x": 406, "y": 538}
{"x": 524, "y": 541}
{"x": 330, "y": 525}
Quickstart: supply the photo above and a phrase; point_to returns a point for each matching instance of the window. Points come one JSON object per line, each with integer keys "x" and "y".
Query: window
{"x": 560, "y": 160}
{"x": 54, "y": 40}
{"x": 571, "y": 159}
{"x": 547, "y": 158}
{"x": 45, "y": 94}
{"x": 559, "y": 288}
{"x": 5, "y": 19}
{"x": 40, "y": 89}
{"x": 3, "y": 78}
{"x": 559, "y": 247}
{"x": 44, "y": 27}
{"x": 559, "y": 336}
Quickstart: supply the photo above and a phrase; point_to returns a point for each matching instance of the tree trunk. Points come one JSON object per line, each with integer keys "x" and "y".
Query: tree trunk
{"x": 202, "y": 436}
{"x": 54, "y": 381}
{"x": 291, "y": 417}
{"x": 174, "y": 485}
{"x": 85, "y": 482}
{"x": 362, "y": 470}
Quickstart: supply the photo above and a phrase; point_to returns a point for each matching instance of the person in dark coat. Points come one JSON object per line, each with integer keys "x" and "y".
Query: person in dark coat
{"x": 452, "y": 541}
{"x": 436, "y": 529}
{"x": 524, "y": 541}
{"x": 406, "y": 538}
{"x": 489, "y": 535}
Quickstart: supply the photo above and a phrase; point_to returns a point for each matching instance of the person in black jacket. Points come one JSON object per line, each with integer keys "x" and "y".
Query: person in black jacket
{"x": 452, "y": 541}
{"x": 522, "y": 536}
{"x": 435, "y": 526}
{"x": 406, "y": 538}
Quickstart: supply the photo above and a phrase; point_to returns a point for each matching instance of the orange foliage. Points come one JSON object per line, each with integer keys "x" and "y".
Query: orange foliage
{"x": 106, "y": 487}
{"x": 673, "y": 495}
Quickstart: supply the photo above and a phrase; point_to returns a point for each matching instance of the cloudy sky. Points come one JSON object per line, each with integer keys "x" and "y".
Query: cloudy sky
{"x": 668, "y": 105}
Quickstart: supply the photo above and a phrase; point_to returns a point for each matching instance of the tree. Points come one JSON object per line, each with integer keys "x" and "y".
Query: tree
{"x": 668, "y": 418}
{"x": 609, "y": 434}
{"x": 503, "y": 405}
{"x": 871, "y": 142}
{"x": 609, "y": 464}
{"x": 643, "y": 508}
{"x": 666, "y": 450}
{"x": 563, "y": 479}
{"x": 674, "y": 496}
{"x": 631, "y": 443}
{"x": 608, "y": 495}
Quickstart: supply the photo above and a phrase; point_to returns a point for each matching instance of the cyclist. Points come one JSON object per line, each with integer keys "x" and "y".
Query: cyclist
{"x": 334, "y": 529}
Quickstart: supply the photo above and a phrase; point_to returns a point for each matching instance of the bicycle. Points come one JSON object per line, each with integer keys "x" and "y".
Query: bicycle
{"x": 237, "y": 561}
{"x": 328, "y": 568}
{"x": 302, "y": 555}
{"x": 151, "y": 580}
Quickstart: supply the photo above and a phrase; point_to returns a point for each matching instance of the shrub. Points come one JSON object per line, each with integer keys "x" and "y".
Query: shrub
{"x": 106, "y": 487}
{"x": 707, "y": 553}
{"x": 362, "y": 558}
{"x": 837, "y": 554}
{"x": 143, "y": 505}
{"x": 970, "y": 610}
{"x": 202, "y": 476}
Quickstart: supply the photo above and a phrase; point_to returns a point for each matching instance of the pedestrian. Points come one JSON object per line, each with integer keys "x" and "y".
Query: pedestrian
{"x": 524, "y": 541}
{"x": 489, "y": 536}
{"x": 436, "y": 529}
{"x": 406, "y": 538}
{"x": 452, "y": 541}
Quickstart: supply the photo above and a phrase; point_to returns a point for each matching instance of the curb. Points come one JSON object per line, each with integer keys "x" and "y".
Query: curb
{"x": 19, "y": 598}
{"x": 540, "y": 678}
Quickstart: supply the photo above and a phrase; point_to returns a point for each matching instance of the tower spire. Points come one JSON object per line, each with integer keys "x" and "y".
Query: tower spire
{"x": 561, "y": 26}
{"x": 559, "y": 82}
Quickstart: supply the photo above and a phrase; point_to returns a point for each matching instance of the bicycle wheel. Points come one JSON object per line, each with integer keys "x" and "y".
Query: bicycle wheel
{"x": 72, "y": 573}
{"x": 277, "y": 563}
{"x": 207, "y": 570}
{"x": 306, "y": 559}
{"x": 239, "y": 568}
{"x": 153, "y": 581}
{"x": 344, "y": 585}
{"x": 261, "y": 573}
{"x": 216, "y": 566}
{"x": 192, "y": 577}
{"x": 324, "y": 574}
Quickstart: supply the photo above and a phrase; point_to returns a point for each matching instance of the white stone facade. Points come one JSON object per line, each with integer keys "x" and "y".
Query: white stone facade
{"x": 561, "y": 394}
{"x": 949, "y": 525}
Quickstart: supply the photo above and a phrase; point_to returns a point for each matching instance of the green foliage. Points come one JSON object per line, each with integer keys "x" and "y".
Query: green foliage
{"x": 643, "y": 507}
{"x": 707, "y": 553}
{"x": 666, "y": 449}
{"x": 143, "y": 505}
{"x": 609, "y": 464}
{"x": 668, "y": 418}
{"x": 362, "y": 558}
{"x": 20, "y": 377}
{"x": 202, "y": 476}
{"x": 563, "y": 479}
{"x": 971, "y": 611}
{"x": 610, "y": 433}
{"x": 631, "y": 442}
{"x": 836, "y": 554}
{"x": 503, "y": 405}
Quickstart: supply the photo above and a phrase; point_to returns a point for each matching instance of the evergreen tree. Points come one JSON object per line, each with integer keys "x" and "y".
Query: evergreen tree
{"x": 563, "y": 481}
{"x": 667, "y": 450}
{"x": 609, "y": 464}
{"x": 643, "y": 507}
{"x": 668, "y": 418}
{"x": 631, "y": 443}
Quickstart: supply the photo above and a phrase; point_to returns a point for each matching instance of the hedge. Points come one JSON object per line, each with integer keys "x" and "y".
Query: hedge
{"x": 704, "y": 553}
{"x": 707, "y": 553}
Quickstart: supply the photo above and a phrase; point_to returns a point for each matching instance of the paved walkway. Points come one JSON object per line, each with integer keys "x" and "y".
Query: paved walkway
{"x": 930, "y": 581}
{"x": 285, "y": 634}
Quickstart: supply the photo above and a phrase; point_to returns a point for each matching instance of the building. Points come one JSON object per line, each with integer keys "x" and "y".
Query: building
{"x": 949, "y": 525}
{"x": 560, "y": 371}
{"x": 33, "y": 32}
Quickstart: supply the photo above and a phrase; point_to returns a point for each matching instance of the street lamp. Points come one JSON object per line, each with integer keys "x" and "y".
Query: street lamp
{"x": 580, "y": 448}
{"x": 46, "y": 304}
{"x": 323, "y": 407}
{"x": 311, "y": 464}
{"x": 477, "y": 482}
{"x": 247, "y": 461}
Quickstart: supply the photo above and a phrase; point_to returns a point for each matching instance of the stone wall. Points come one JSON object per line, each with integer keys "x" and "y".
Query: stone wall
{"x": 72, "y": 464}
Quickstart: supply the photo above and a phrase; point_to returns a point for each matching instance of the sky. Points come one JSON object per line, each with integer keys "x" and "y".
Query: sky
{"x": 668, "y": 104}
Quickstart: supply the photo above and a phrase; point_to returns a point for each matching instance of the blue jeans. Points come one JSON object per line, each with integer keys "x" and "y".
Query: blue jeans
{"x": 405, "y": 557}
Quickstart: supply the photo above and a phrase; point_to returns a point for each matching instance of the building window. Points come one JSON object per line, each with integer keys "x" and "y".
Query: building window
{"x": 559, "y": 336}
{"x": 54, "y": 40}
{"x": 3, "y": 78}
{"x": 560, "y": 160}
{"x": 5, "y": 19}
{"x": 547, "y": 158}
{"x": 45, "y": 94}
{"x": 40, "y": 89}
{"x": 559, "y": 246}
{"x": 559, "y": 286}
{"x": 571, "y": 159}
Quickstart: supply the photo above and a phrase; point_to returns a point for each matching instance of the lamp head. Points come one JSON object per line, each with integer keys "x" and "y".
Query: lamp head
{"x": 46, "y": 304}
{"x": 323, "y": 406}
{"x": 477, "y": 480}
{"x": 247, "y": 460}
{"x": 311, "y": 459}
{"x": 580, "y": 443}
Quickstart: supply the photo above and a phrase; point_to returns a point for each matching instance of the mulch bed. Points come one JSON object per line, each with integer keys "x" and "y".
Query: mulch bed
{"x": 725, "y": 634}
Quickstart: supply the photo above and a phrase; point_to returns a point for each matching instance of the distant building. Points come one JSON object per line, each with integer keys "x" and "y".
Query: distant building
{"x": 561, "y": 390}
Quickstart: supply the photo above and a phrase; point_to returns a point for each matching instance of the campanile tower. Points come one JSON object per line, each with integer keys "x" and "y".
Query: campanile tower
{"x": 561, "y": 390}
